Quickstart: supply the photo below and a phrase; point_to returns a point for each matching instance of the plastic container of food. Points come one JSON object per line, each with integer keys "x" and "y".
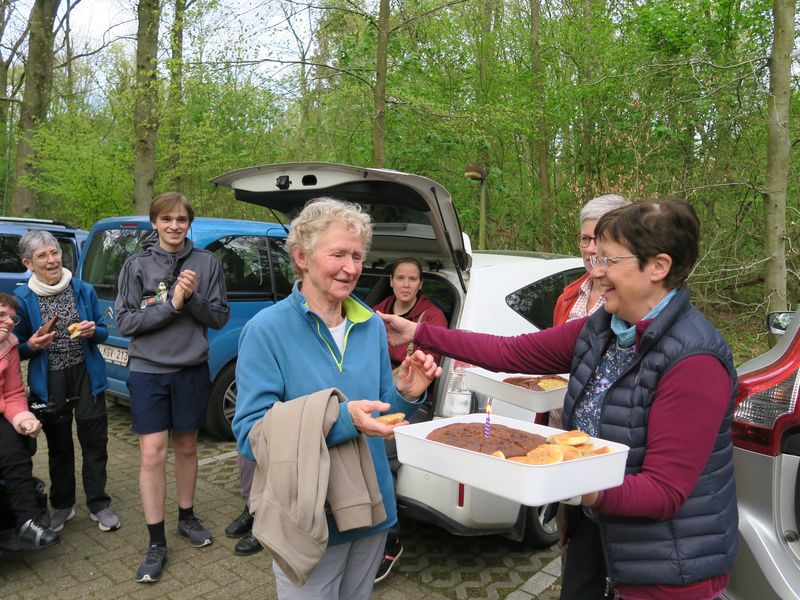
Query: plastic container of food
{"x": 531, "y": 485}
{"x": 486, "y": 382}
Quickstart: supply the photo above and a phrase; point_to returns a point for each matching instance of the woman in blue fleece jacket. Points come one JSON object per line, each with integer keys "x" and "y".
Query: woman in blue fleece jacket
{"x": 319, "y": 337}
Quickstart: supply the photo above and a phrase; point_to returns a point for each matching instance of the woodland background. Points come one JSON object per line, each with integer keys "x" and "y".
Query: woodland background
{"x": 559, "y": 100}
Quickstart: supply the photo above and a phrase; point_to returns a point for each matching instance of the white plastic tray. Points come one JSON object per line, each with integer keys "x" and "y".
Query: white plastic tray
{"x": 490, "y": 383}
{"x": 531, "y": 485}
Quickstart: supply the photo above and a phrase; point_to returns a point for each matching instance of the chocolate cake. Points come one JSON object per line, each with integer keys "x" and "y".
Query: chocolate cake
{"x": 543, "y": 383}
{"x": 511, "y": 442}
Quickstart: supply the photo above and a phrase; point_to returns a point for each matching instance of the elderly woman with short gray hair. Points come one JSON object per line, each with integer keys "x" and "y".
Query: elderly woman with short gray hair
{"x": 581, "y": 298}
{"x": 66, "y": 373}
{"x": 321, "y": 337}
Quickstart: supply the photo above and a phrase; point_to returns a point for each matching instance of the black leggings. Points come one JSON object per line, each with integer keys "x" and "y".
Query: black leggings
{"x": 584, "y": 573}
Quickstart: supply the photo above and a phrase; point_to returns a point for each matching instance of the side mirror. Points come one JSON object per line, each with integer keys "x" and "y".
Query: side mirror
{"x": 778, "y": 322}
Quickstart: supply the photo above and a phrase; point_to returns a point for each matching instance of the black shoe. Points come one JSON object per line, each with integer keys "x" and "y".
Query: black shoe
{"x": 391, "y": 553}
{"x": 33, "y": 535}
{"x": 247, "y": 545}
{"x": 152, "y": 565}
{"x": 241, "y": 525}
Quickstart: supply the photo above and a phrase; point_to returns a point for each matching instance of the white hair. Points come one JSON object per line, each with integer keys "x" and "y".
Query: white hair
{"x": 317, "y": 216}
{"x": 597, "y": 207}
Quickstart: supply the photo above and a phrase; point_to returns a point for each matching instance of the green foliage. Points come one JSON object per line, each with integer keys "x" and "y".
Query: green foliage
{"x": 638, "y": 98}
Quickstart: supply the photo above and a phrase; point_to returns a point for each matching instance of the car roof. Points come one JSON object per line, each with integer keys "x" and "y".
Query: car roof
{"x": 203, "y": 229}
{"x": 411, "y": 214}
{"x": 44, "y": 224}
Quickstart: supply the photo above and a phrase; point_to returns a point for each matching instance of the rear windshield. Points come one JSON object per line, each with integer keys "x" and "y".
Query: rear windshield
{"x": 10, "y": 261}
{"x": 107, "y": 253}
{"x": 535, "y": 302}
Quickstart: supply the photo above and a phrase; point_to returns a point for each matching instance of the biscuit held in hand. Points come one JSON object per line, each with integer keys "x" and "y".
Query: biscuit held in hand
{"x": 48, "y": 326}
{"x": 392, "y": 418}
{"x": 74, "y": 330}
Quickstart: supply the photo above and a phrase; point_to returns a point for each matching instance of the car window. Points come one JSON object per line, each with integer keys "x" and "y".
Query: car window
{"x": 10, "y": 261}
{"x": 254, "y": 266}
{"x": 535, "y": 302}
{"x": 9, "y": 256}
{"x": 105, "y": 256}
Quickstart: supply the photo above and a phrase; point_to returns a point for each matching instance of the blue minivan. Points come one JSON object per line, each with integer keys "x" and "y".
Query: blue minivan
{"x": 257, "y": 272}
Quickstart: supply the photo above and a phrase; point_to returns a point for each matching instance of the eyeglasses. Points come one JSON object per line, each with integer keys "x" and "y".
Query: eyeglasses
{"x": 602, "y": 263}
{"x": 46, "y": 255}
{"x": 584, "y": 240}
{"x": 5, "y": 315}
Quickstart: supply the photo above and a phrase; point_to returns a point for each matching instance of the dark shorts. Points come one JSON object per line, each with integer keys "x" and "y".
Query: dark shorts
{"x": 164, "y": 401}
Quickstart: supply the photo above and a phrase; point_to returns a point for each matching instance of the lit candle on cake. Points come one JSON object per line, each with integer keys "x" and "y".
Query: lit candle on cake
{"x": 487, "y": 425}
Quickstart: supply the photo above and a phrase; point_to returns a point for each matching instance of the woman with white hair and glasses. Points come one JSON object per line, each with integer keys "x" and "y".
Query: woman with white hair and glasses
{"x": 322, "y": 337}
{"x": 66, "y": 373}
{"x": 581, "y": 298}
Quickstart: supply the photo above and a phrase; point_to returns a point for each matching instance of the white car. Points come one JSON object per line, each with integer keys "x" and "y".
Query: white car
{"x": 496, "y": 292}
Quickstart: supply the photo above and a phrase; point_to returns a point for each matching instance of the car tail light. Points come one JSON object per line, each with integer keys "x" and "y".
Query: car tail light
{"x": 767, "y": 404}
{"x": 458, "y": 399}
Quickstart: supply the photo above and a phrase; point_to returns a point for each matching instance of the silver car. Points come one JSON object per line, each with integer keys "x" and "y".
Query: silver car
{"x": 766, "y": 433}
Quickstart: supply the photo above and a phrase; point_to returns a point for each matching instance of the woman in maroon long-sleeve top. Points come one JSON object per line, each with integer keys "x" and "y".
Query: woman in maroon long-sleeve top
{"x": 649, "y": 371}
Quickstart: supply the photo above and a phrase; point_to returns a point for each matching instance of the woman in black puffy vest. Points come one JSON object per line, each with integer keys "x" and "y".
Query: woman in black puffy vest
{"x": 648, "y": 371}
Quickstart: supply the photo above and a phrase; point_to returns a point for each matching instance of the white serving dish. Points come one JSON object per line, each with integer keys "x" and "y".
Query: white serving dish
{"x": 490, "y": 383}
{"x": 531, "y": 485}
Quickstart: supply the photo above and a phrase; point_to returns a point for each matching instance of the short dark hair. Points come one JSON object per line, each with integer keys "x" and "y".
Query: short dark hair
{"x": 406, "y": 260}
{"x": 9, "y": 301}
{"x": 166, "y": 202}
{"x": 663, "y": 225}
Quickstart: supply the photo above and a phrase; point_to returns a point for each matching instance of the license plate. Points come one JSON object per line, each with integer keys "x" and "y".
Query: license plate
{"x": 114, "y": 355}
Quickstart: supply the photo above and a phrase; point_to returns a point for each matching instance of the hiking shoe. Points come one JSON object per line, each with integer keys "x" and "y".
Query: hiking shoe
{"x": 152, "y": 565}
{"x": 33, "y": 535}
{"x": 192, "y": 527}
{"x": 247, "y": 545}
{"x": 106, "y": 519}
{"x": 391, "y": 554}
{"x": 241, "y": 525}
{"x": 60, "y": 516}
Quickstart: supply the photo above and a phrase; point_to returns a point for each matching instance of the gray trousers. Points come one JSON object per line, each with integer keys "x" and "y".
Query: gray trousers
{"x": 346, "y": 572}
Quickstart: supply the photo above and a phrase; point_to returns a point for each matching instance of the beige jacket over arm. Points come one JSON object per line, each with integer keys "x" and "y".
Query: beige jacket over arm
{"x": 296, "y": 474}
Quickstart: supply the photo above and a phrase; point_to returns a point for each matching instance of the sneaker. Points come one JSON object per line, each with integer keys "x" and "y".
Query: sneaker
{"x": 106, "y": 519}
{"x": 33, "y": 535}
{"x": 152, "y": 565}
{"x": 241, "y": 525}
{"x": 60, "y": 516}
{"x": 391, "y": 554}
{"x": 192, "y": 527}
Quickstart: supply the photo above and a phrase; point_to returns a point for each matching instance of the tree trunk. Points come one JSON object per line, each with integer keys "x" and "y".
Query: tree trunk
{"x": 175, "y": 100}
{"x": 145, "y": 113}
{"x": 587, "y": 105}
{"x": 35, "y": 100}
{"x": 778, "y": 149}
{"x": 379, "y": 120}
{"x": 541, "y": 141}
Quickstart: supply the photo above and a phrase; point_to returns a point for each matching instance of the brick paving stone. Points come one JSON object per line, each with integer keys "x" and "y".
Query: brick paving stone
{"x": 93, "y": 564}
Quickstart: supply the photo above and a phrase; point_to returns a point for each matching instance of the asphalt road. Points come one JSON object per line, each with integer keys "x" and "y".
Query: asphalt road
{"x": 91, "y": 564}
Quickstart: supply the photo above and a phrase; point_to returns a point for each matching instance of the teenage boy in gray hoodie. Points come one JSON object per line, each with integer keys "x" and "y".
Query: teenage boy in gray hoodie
{"x": 169, "y": 295}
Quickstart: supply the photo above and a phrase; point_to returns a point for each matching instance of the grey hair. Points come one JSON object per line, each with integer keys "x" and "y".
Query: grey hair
{"x": 597, "y": 207}
{"x": 33, "y": 240}
{"x": 319, "y": 214}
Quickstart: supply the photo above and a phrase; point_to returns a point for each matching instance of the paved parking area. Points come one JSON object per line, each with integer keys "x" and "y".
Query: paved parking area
{"x": 91, "y": 564}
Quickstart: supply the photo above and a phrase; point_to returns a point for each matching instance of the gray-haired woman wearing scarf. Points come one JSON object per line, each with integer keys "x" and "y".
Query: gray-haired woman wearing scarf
{"x": 66, "y": 367}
